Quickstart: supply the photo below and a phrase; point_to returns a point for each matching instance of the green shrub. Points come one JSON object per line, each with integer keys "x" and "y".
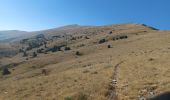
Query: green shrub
{"x": 102, "y": 41}
{"x": 68, "y": 98}
{"x": 87, "y": 37}
{"x": 82, "y": 96}
{"x": 109, "y": 46}
{"x": 21, "y": 50}
{"x": 78, "y": 53}
{"x": 34, "y": 54}
{"x": 25, "y": 54}
{"x": 67, "y": 48}
{"x": 39, "y": 51}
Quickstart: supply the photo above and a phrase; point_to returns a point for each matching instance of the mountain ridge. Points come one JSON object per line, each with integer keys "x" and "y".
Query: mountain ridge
{"x": 14, "y": 35}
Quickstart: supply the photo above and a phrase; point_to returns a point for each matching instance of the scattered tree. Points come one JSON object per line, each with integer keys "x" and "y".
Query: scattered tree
{"x": 87, "y": 37}
{"x": 109, "y": 46}
{"x": 34, "y": 54}
{"x": 45, "y": 44}
{"x": 44, "y": 71}
{"x": 25, "y": 54}
{"x": 56, "y": 48}
{"x": 78, "y": 53}
{"x": 67, "y": 48}
{"x": 120, "y": 37}
{"x": 39, "y": 51}
{"x": 21, "y": 50}
{"x": 102, "y": 41}
{"x": 6, "y": 71}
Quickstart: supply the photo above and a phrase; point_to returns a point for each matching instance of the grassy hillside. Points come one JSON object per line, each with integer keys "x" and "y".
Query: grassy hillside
{"x": 81, "y": 64}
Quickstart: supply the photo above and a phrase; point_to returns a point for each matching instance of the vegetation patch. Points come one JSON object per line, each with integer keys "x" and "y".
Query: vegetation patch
{"x": 68, "y": 98}
{"x": 78, "y": 53}
{"x": 109, "y": 46}
{"x": 5, "y": 71}
{"x": 34, "y": 54}
{"x": 119, "y": 37}
{"x": 102, "y": 41}
{"x": 67, "y": 48}
{"x": 82, "y": 96}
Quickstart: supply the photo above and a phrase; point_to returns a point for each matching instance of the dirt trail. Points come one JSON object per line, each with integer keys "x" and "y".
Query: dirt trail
{"x": 112, "y": 86}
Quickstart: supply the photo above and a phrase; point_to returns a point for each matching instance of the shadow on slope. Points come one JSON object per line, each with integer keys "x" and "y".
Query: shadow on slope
{"x": 163, "y": 96}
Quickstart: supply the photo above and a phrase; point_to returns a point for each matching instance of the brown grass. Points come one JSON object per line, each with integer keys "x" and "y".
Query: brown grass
{"x": 87, "y": 76}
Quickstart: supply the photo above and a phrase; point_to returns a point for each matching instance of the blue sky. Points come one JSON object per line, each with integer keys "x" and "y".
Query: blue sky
{"x": 31, "y": 15}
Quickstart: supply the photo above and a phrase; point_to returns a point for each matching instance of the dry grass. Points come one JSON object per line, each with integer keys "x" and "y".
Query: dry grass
{"x": 86, "y": 77}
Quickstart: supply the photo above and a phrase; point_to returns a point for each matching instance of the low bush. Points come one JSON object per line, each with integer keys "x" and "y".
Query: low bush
{"x": 39, "y": 51}
{"x": 25, "y": 54}
{"x": 82, "y": 96}
{"x": 55, "y": 48}
{"x": 34, "y": 54}
{"x": 120, "y": 37}
{"x": 68, "y": 98}
{"x": 5, "y": 71}
{"x": 67, "y": 48}
{"x": 21, "y": 50}
{"x": 102, "y": 41}
{"x": 87, "y": 37}
{"x": 78, "y": 53}
{"x": 109, "y": 46}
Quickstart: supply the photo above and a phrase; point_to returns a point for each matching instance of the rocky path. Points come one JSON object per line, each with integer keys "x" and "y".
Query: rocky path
{"x": 112, "y": 95}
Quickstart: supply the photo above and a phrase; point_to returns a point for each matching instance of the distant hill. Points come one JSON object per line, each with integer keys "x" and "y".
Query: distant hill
{"x": 16, "y": 35}
{"x": 11, "y": 34}
{"x": 73, "y": 26}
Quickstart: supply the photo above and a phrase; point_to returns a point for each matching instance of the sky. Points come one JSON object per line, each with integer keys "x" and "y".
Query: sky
{"x": 33, "y": 15}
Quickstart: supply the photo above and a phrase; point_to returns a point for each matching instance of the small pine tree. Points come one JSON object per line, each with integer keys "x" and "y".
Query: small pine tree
{"x": 110, "y": 32}
{"x": 34, "y": 54}
{"x": 20, "y": 50}
{"x": 39, "y": 51}
{"x": 87, "y": 37}
{"x": 102, "y": 41}
{"x": 109, "y": 46}
{"x": 78, "y": 53}
{"x": 67, "y": 48}
{"x": 25, "y": 54}
{"x": 6, "y": 71}
{"x": 45, "y": 44}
